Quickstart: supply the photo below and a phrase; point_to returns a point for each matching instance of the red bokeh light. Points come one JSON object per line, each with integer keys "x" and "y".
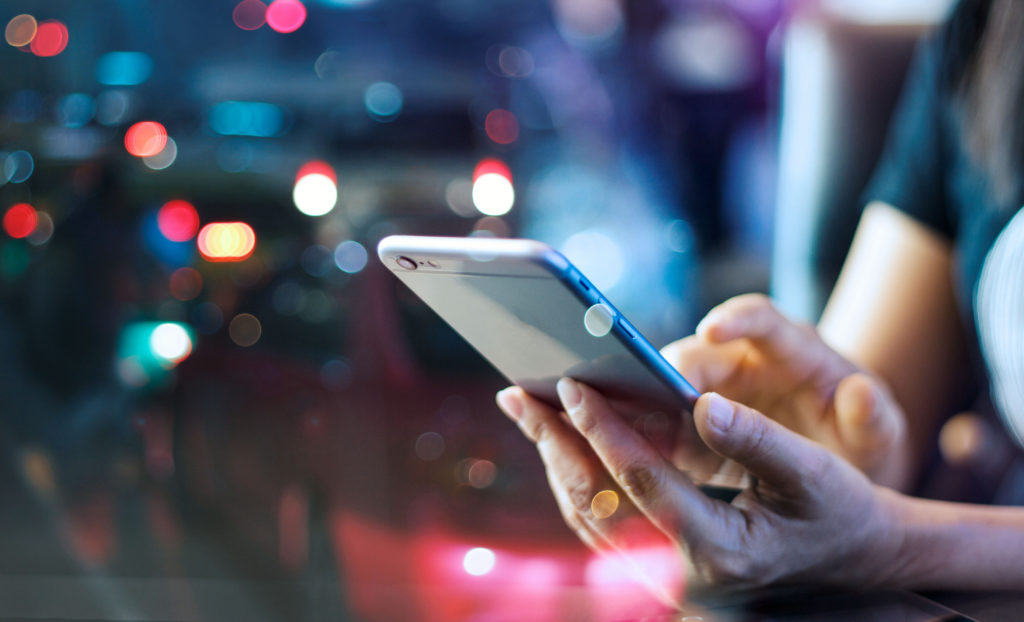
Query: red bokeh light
{"x": 178, "y": 221}
{"x": 20, "y": 220}
{"x": 491, "y": 165}
{"x": 317, "y": 167}
{"x": 502, "y": 126}
{"x": 250, "y": 14}
{"x": 146, "y": 138}
{"x": 51, "y": 38}
{"x": 286, "y": 15}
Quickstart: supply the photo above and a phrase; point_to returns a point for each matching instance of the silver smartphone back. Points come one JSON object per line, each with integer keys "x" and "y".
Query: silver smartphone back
{"x": 529, "y": 312}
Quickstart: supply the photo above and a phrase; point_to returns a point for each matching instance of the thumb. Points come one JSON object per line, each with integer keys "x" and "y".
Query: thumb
{"x": 867, "y": 417}
{"x": 773, "y": 454}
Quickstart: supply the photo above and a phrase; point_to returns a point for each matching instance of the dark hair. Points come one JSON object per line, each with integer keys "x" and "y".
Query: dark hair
{"x": 993, "y": 96}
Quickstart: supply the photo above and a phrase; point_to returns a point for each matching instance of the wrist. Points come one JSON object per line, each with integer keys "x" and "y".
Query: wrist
{"x": 899, "y": 556}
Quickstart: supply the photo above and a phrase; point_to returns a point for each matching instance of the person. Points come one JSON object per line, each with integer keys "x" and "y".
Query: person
{"x": 835, "y": 422}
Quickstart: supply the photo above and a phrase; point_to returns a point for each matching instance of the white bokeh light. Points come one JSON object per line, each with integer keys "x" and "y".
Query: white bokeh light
{"x": 170, "y": 342}
{"x": 493, "y": 194}
{"x": 597, "y": 256}
{"x": 315, "y": 194}
{"x": 479, "y": 561}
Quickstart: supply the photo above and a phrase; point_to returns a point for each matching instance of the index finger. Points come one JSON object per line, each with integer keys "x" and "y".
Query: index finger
{"x": 754, "y": 317}
{"x": 665, "y": 495}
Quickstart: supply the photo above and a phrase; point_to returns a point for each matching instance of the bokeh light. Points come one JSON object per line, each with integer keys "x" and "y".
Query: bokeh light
{"x": 350, "y": 256}
{"x": 317, "y": 260}
{"x": 178, "y": 220}
{"x": 18, "y": 166}
{"x": 286, "y": 16}
{"x": 491, "y": 165}
{"x": 245, "y": 118}
{"x": 336, "y": 374}
{"x": 481, "y": 473}
{"x": 479, "y": 561}
{"x": 226, "y": 241}
{"x": 113, "y": 107}
{"x": 76, "y": 110}
{"x": 165, "y": 158}
{"x": 146, "y": 138}
{"x": 20, "y": 220}
{"x": 316, "y": 189}
{"x": 493, "y": 226}
{"x": 245, "y": 329}
{"x": 249, "y": 14}
{"x": 207, "y": 317}
{"x": 515, "y": 62}
{"x": 604, "y": 504}
{"x": 590, "y": 24}
{"x": 317, "y": 167}
{"x": 429, "y": 446}
{"x": 51, "y": 38}
{"x": 170, "y": 343}
{"x": 597, "y": 256}
{"x": 43, "y": 230}
{"x": 123, "y": 68}
{"x": 20, "y": 30}
{"x": 501, "y": 126}
{"x": 459, "y": 196}
{"x": 186, "y": 283}
{"x": 598, "y": 320}
{"x": 493, "y": 194}
{"x": 383, "y": 101}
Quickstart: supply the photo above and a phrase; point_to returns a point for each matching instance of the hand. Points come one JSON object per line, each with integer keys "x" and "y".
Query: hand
{"x": 810, "y": 516}
{"x": 746, "y": 350}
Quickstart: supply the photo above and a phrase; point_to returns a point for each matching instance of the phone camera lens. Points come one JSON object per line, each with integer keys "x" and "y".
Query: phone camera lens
{"x": 406, "y": 263}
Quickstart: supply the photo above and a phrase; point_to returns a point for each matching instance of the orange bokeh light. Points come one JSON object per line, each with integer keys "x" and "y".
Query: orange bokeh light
{"x": 51, "y": 38}
{"x": 145, "y": 139}
{"x": 226, "y": 241}
{"x": 20, "y": 30}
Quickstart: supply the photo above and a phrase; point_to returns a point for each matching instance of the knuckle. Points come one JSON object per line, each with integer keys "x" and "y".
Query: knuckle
{"x": 760, "y": 300}
{"x": 639, "y": 482}
{"x": 756, "y": 439}
{"x": 585, "y": 421}
{"x": 728, "y": 568}
{"x": 580, "y": 492}
{"x": 538, "y": 429}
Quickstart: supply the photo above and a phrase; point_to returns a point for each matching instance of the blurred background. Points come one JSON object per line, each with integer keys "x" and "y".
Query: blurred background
{"x": 215, "y": 403}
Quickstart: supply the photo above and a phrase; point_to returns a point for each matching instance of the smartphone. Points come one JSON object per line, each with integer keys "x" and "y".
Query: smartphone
{"x": 527, "y": 310}
{"x": 536, "y": 318}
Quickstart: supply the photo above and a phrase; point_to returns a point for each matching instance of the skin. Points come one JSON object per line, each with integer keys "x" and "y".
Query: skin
{"x": 830, "y": 422}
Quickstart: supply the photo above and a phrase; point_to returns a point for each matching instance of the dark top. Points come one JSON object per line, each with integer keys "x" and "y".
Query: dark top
{"x": 927, "y": 172}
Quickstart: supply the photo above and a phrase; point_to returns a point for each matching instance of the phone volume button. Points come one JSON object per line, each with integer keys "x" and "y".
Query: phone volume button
{"x": 625, "y": 329}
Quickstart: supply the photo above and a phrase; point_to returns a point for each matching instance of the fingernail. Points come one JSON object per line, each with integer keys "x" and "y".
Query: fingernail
{"x": 569, "y": 393}
{"x": 510, "y": 403}
{"x": 720, "y": 412}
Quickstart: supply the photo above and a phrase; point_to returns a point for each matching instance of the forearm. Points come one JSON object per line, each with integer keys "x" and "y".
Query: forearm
{"x": 957, "y": 546}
